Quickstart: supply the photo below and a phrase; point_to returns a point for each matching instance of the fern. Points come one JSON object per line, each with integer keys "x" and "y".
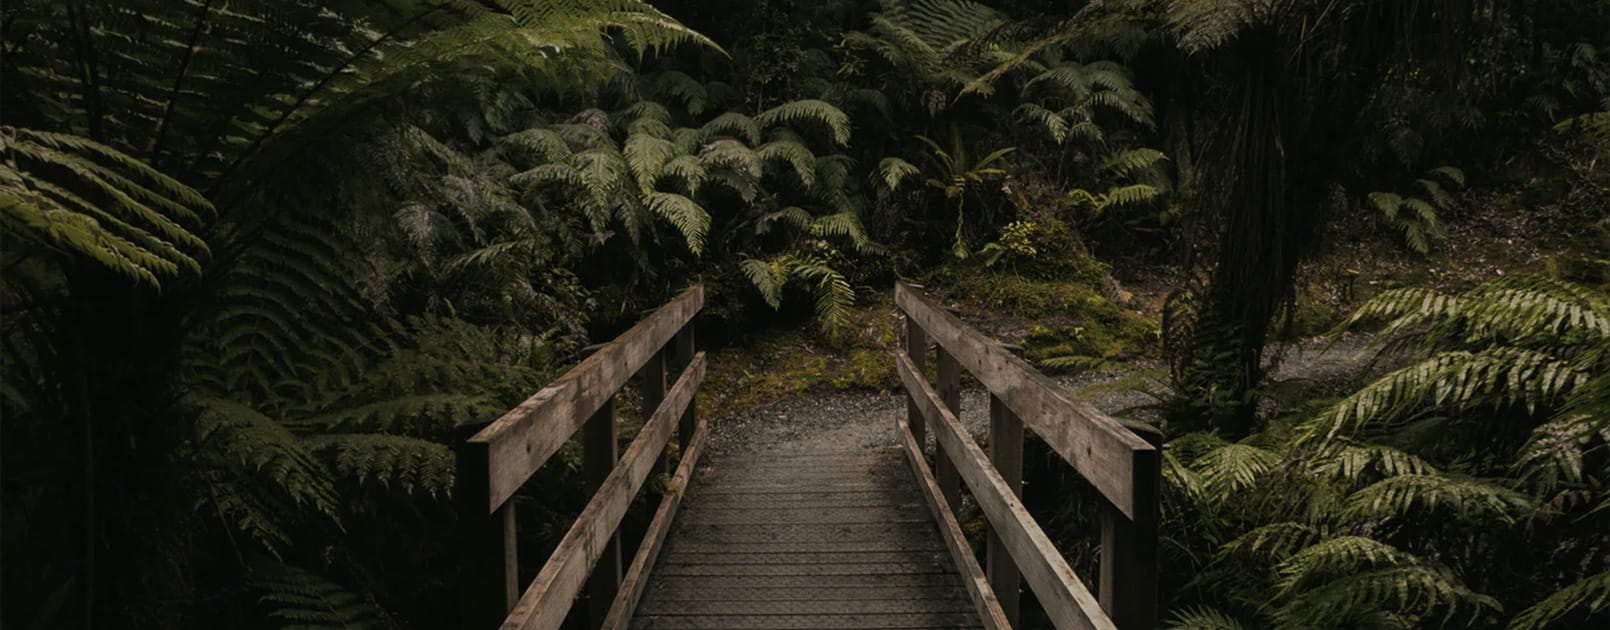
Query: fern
{"x": 764, "y": 276}
{"x": 140, "y": 224}
{"x": 1405, "y": 495}
{"x": 1590, "y": 595}
{"x": 809, "y": 111}
{"x": 1202, "y": 618}
{"x": 304, "y": 601}
{"x": 411, "y": 465}
{"x": 1234, "y": 467}
{"x": 794, "y": 154}
{"x": 684, "y": 213}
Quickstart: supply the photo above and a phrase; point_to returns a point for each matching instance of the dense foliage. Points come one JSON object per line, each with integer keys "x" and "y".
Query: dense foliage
{"x": 263, "y": 259}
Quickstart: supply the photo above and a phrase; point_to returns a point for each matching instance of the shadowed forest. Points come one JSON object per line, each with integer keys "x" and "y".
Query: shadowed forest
{"x": 265, "y": 262}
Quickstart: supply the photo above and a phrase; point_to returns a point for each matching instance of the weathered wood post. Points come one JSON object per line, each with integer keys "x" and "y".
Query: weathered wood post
{"x": 488, "y": 563}
{"x": 684, "y": 357}
{"x": 917, "y": 349}
{"x": 950, "y": 391}
{"x": 1129, "y": 545}
{"x": 1006, "y": 452}
{"x": 600, "y": 452}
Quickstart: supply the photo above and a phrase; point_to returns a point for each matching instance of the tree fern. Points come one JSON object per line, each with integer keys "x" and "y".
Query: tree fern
{"x": 1202, "y": 618}
{"x": 411, "y": 465}
{"x": 140, "y": 224}
{"x": 1428, "y": 494}
{"x": 892, "y": 171}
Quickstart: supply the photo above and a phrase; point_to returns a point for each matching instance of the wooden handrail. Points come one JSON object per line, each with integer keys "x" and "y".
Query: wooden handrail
{"x": 497, "y": 460}
{"x": 1121, "y": 459}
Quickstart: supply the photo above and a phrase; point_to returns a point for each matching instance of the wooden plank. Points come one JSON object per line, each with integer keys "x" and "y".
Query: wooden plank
{"x": 551, "y": 594}
{"x": 523, "y": 439}
{"x": 631, "y": 590}
{"x": 978, "y": 590}
{"x": 917, "y": 349}
{"x": 1098, "y": 446}
{"x": 653, "y": 377}
{"x": 1006, "y": 453}
{"x": 488, "y": 566}
{"x": 1065, "y": 599}
{"x": 600, "y": 452}
{"x": 1128, "y": 586}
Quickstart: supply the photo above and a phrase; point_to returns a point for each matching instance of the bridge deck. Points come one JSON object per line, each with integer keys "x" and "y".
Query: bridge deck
{"x": 822, "y": 538}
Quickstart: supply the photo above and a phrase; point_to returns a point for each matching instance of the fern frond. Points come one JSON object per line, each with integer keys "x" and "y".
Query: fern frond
{"x": 687, "y": 215}
{"x": 892, "y": 171}
{"x": 731, "y": 154}
{"x": 794, "y": 154}
{"x": 411, "y": 465}
{"x": 1591, "y": 596}
{"x": 689, "y": 169}
{"x": 304, "y": 601}
{"x": 763, "y": 275}
{"x": 140, "y": 224}
{"x": 1277, "y": 541}
{"x": 1416, "y": 590}
{"x": 647, "y": 156}
{"x": 845, "y": 225}
{"x": 732, "y": 125}
{"x": 1202, "y": 618}
{"x": 1234, "y": 467}
{"x": 834, "y": 296}
{"x": 809, "y": 111}
{"x": 1403, "y": 495}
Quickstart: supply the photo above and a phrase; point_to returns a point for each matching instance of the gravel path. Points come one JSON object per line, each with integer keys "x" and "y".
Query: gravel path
{"x": 866, "y": 420}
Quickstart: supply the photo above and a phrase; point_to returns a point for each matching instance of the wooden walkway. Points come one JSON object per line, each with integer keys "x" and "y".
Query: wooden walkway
{"x": 834, "y": 535}
{"x": 833, "y": 539}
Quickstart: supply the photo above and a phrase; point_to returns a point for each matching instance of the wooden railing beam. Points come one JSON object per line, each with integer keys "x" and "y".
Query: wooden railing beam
{"x": 522, "y": 440}
{"x": 1067, "y": 601}
{"x": 547, "y": 600}
{"x": 1128, "y": 588}
{"x": 1098, "y": 446}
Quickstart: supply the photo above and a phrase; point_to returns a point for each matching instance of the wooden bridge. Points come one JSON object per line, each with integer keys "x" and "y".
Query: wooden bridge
{"x": 830, "y": 536}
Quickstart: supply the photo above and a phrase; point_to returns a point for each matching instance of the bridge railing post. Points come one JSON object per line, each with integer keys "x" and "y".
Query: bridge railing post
{"x": 1128, "y": 588}
{"x": 489, "y": 563}
{"x": 1006, "y": 452}
{"x": 949, "y": 386}
{"x": 685, "y": 351}
{"x": 600, "y": 453}
{"x": 917, "y": 349}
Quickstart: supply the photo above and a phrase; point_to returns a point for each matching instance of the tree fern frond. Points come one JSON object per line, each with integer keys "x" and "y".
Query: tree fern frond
{"x": 1352, "y": 462}
{"x": 304, "y": 601}
{"x": 689, "y": 169}
{"x": 1416, "y": 590}
{"x": 1234, "y": 467}
{"x": 845, "y": 225}
{"x": 411, "y": 465}
{"x": 1403, "y": 495}
{"x": 138, "y": 225}
{"x": 1202, "y": 618}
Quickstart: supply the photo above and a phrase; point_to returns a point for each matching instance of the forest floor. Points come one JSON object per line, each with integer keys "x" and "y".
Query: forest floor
{"x": 1543, "y": 211}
